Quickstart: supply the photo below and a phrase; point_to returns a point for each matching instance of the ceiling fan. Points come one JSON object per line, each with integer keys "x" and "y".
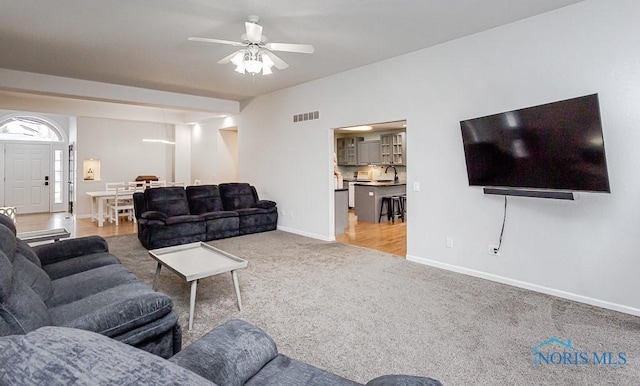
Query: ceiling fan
{"x": 256, "y": 53}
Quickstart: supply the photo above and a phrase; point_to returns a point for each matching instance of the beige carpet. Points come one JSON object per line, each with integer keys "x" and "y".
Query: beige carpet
{"x": 361, "y": 313}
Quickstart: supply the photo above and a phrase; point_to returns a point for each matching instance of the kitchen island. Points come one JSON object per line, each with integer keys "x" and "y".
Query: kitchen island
{"x": 368, "y": 196}
{"x": 341, "y": 207}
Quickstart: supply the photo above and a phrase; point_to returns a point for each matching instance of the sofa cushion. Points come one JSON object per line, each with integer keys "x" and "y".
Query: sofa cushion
{"x": 21, "y": 309}
{"x": 23, "y": 248}
{"x": 63, "y": 356}
{"x": 237, "y": 195}
{"x": 183, "y": 219}
{"x": 218, "y": 215}
{"x": 23, "y": 269}
{"x": 171, "y": 201}
{"x": 204, "y": 199}
{"x": 113, "y": 311}
{"x": 51, "y": 253}
{"x": 154, "y": 215}
{"x": 7, "y": 242}
{"x": 8, "y": 222}
{"x": 78, "y": 264}
{"x": 33, "y": 276}
{"x": 86, "y": 283}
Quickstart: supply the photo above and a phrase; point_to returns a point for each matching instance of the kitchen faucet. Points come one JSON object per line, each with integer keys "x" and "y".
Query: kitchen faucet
{"x": 395, "y": 173}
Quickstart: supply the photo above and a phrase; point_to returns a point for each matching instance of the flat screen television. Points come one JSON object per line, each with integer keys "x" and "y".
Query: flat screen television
{"x": 557, "y": 146}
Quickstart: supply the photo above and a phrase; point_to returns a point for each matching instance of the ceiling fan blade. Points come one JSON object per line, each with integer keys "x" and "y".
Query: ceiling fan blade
{"x": 279, "y": 63}
{"x": 289, "y": 47}
{"x": 227, "y": 59}
{"x": 254, "y": 32}
{"x": 209, "y": 40}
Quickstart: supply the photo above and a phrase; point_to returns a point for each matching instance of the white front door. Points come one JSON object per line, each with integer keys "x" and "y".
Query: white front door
{"x": 27, "y": 179}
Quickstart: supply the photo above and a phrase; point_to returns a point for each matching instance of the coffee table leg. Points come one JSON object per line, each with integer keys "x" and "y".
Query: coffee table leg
{"x": 155, "y": 278}
{"x": 236, "y": 286}
{"x": 192, "y": 302}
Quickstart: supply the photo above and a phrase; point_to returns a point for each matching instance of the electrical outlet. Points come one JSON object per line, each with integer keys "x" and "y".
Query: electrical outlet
{"x": 493, "y": 250}
{"x": 449, "y": 242}
{"x": 283, "y": 213}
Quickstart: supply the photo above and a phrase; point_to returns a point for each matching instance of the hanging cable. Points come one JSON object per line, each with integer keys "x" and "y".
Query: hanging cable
{"x": 504, "y": 219}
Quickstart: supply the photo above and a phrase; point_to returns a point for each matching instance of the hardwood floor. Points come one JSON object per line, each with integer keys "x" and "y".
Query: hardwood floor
{"x": 77, "y": 227}
{"x": 384, "y": 236}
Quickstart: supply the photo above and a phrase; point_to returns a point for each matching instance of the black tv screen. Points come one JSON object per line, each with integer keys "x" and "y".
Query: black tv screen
{"x": 555, "y": 146}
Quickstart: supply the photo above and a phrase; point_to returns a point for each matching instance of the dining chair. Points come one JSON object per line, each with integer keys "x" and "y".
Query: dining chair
{"x": 111, "y": 186}
{"x": 137, "y": 185}
{"x": 158, "y": 184}
{"x": 121, "y": 205}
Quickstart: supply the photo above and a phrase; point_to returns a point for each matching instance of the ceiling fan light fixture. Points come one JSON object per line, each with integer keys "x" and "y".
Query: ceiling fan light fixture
{"x": 253, "y": 66}
{"x": 238, "y": 58}
{"x": 256, "y": 54}
{"x": 240, "y": 68}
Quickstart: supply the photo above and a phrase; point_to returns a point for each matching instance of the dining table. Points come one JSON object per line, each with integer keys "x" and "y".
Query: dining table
{"x": 99, "y": 202}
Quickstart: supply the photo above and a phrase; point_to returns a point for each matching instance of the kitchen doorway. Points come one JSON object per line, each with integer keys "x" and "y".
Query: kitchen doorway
{"x": 370, "y": 162}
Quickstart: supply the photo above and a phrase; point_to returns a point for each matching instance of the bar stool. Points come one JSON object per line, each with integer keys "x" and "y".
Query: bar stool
{"x": 394, "y": 207}
{"x": 385, "y": 200}
{"x": 397, "y": 208}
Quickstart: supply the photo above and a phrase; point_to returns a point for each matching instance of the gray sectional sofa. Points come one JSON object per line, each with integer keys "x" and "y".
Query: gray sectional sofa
{"x": 77, "y": 283}
{"x": 174, "y": 215}
{"x": 235, "y": 353}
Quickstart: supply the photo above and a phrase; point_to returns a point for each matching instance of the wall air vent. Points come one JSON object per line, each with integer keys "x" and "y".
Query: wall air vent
{"x": 306, "y": 116}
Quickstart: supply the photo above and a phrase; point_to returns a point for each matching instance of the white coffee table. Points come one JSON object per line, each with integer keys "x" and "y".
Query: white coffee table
{"x": 196, "y": 261}
{"x": 43, "y": 235}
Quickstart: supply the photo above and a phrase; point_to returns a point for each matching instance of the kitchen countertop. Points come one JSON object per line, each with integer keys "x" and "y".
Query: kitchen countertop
{"x": 380, "y": 183}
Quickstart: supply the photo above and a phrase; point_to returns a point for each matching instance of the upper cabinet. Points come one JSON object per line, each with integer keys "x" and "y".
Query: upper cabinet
{"x": 347, "y": 150}
{"x": 392, "y": 149}
{"x": 368, "y": 152}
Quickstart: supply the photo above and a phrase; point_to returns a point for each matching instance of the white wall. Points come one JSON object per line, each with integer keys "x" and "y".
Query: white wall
{"x": 214, "y": 153}
{"x": 182, "y": 154}
{"x": 585, "y": 250}
{"x": 118, "y": 145}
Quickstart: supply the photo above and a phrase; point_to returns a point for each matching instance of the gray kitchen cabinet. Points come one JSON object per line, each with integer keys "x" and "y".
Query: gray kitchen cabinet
{"x": 347, "y": 150}
{"x": 368, "y": 152}
{"x": 392, "y": 149}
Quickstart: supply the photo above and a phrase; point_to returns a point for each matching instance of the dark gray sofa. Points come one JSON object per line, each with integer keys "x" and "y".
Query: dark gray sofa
{"x": 235, "y": 353}
{"x": 175, "y": 215}
{"x": 78, "y": 283}
{"x": 255, "y": 215}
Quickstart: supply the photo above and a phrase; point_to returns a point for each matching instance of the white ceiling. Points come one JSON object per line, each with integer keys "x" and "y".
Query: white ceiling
{"x": 143, "y": 43}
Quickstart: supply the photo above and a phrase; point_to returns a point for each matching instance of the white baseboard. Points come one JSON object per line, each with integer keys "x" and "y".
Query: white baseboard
{"x": 303, "y": 233}
{"x": 528, "y": 286}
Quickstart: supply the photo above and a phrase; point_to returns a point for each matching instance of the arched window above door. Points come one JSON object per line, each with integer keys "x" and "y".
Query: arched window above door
{"x": 29, "y": 128}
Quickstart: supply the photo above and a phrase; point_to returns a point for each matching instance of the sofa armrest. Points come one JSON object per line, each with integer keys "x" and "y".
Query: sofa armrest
{"x": 265, "y": 204}
{"x": 229, "y": 354}
{"x": 67, "y": 249}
